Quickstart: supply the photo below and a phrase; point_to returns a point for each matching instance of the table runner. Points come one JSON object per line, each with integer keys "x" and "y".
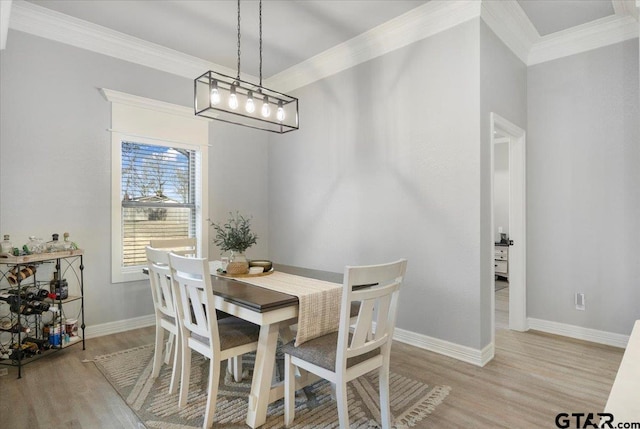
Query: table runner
{"x": 319, "y": 301}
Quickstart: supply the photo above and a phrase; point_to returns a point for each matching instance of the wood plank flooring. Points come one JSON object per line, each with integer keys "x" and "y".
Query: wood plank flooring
{"x": 533, "y": 377}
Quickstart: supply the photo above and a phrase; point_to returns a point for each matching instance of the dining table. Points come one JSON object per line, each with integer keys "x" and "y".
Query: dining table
{"x": 275, "y": 312}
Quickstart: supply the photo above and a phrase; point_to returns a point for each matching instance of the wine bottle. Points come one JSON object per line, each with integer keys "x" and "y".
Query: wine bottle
{"x": 20, "y": 306}
{"x": 15, "y": 276}
{"x": 30, "y": 293}
{"x": 14, "y": 327}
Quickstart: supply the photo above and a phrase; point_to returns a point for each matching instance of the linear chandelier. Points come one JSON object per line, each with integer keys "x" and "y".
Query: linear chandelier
{"x": 228, "y": 99}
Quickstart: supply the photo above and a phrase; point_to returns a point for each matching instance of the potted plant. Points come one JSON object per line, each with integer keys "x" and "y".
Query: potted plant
{"x": 235, "y": 236}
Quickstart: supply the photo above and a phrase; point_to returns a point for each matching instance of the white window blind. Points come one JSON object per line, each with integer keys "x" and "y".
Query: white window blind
{"x": 158, "y": 197}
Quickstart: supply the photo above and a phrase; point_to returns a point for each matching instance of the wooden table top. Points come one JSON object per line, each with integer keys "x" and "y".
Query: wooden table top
{"x": 249, "y": 296}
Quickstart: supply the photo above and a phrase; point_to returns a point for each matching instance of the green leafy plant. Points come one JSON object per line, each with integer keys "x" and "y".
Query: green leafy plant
{"x": 235, "y": 234}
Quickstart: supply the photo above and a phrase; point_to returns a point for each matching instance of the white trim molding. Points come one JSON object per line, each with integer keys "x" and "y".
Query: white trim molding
{"x": 592, "y": 35}
{"x": 579, "y": 332}
{"x": 511, "y": 24}
{"x": 47, "y": 23}
{"x": 94, "y": 331}
{"x": 626, "y": 7}
{"x": 424, "y": 21}
{"x": 505, "y": 17}
{"x": 149, "y": 103}
{"x": 478, "y": 357}
{"x": 149, "y": 121}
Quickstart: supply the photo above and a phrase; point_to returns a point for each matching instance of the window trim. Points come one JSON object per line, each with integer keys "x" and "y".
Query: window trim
{"x": 148, "y": 121}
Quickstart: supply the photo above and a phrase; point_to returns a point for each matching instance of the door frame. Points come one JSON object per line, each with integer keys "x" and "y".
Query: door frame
{"x": 517, "y": 222}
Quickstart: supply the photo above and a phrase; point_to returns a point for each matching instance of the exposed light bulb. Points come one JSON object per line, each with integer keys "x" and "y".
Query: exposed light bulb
{"x": 250, "y": 106}
{"x": 215, "y": 95}
{"x": 233, "y": 99}
{"x": 280, "y": 112}
{"x": 266, "y": 110}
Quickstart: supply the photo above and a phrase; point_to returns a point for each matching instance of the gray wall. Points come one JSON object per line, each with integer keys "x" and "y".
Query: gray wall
{"x": 386, "y": 165}
{"x": 503, "y": 90}
{"x": 583, "y": 187}
{"x": 55, "y": 158}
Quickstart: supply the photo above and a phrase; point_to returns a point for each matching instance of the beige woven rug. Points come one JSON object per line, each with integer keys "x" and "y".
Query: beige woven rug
{"x": 128, "y": 372}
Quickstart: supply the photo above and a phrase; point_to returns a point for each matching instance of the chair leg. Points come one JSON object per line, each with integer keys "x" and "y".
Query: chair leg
{"x": 167, "y": 353}
{"x": 177, "y": 365}
{"x": 212, "y": 393}
{"x": 289, "y": 391}
{"x": 185, "y": 375}
{"x": 157, "y": 354}
{"x": 385, "y": 411}
{"x": 343, "y": 406}
{"x": 237, "y": 368}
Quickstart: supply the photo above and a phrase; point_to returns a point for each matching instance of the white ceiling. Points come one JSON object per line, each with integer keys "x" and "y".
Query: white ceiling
{"x": 551, "y": 16}
{"x": 293, "y": 30}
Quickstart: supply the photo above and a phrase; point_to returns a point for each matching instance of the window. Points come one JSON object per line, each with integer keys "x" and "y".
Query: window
{"x": 159, "y": 179}
{"x": 158, "y": 197}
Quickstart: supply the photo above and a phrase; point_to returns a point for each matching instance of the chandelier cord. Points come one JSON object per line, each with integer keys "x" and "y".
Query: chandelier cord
{"x": 238, "y": 40}
{"x": 260, "y": 24}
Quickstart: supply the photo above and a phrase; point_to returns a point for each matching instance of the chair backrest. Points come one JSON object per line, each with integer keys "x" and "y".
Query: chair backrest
{"x": 159, "y": 277}
{"x": 378, "y": 304}
{"x": 194, "y": 297}
{"x": 179, "y": 246}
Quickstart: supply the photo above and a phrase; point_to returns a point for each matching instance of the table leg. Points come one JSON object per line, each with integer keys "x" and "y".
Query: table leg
{"x": 262, "y": 373}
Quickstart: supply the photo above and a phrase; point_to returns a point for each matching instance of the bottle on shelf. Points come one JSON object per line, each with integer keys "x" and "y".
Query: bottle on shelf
{"x": 59, "y": 287}
{"x": 24, "y": 307}
{"x": 14, "y": 276}
{"x": 5, "y": 246}
{"x": 54, "y": 245}
{"x": 36, "y": 245}
{"x": 14, "y": 327}
{"x": 67, "y": 244}
{"x": 32, "y": 293}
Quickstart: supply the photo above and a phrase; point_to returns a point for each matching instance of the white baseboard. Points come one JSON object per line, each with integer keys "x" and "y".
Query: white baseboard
{"x": 109, "y": 328}
{"x": 579, "y": 332}
{"x": 466, "y": 354}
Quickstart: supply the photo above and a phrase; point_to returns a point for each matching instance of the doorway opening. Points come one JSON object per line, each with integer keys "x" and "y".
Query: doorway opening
{"x": 508, "y": 222}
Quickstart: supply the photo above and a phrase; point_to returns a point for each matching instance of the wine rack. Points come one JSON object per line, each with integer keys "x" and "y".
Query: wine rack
{"x": 33, "y": 307}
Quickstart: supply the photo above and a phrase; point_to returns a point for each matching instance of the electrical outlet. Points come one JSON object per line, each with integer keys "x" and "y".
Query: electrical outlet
{"x": 500, "y": 230}
{"x": 580, "y": 304}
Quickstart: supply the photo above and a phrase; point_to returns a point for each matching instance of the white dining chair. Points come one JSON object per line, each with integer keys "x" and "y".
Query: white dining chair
{"x": 201, "y": 331}
{"x": 355, "y": 349}
{"x": 180, "y": 246}
{"x": 165, "y": 313}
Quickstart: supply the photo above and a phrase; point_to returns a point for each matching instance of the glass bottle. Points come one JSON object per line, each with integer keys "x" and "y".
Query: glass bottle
{"x": 54, "y": 245}
{"x": 6, "y": 246}
{"x": 67, "y": 244}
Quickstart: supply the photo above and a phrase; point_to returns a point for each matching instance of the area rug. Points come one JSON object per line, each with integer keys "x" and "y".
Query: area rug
{"x": 129, "y": 371}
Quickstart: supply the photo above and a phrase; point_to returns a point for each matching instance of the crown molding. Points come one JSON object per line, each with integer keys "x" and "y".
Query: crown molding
{"x": 505, "y": 17}
{"x": 47, "y": 23}
{"x": 5, "y": 13}
{"x": 585, "y": 37}
{"x": 512, "y": 25}
{"x": 417, "y": 24}
{"x": 149, "y": 104}
{"x": 626, "y": 7}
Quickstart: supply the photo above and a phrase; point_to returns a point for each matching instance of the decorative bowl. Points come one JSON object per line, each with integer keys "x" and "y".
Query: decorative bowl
{"x": 265, "y": 264}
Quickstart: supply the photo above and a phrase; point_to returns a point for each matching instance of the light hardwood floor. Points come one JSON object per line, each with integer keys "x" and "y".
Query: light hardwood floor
{"x": 533, "y": 377}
